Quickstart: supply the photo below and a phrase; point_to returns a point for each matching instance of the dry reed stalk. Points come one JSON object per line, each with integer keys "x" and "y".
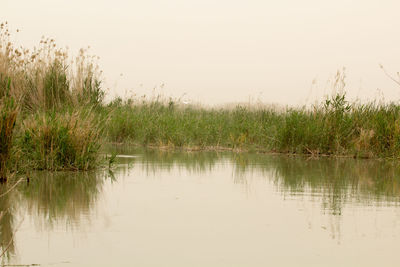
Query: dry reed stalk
{"x": 7, "y": 123}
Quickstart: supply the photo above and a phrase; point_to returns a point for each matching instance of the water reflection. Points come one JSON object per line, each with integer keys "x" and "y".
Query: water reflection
{"x": 6, "y": 222}
{"x": 63, "y": 196}
{"x": 336, "y": 181}
{"x": 47, "y": 199}
{"x": 154, "y": 161}
{"x": 67, "y": 199}
{"x": 341, "y": 180}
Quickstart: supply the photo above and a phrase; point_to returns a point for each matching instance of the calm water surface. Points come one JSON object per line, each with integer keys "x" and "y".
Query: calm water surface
{"x": 208, "y": 209}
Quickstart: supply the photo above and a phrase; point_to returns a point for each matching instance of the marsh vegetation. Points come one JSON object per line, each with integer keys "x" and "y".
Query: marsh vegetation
{"x": 53, "y": 117}
{"x": 55, "y": 98}
{"x": 333, "y": 127}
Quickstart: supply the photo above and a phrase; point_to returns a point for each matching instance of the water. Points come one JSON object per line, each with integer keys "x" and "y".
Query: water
{"x": 207, "y": 209}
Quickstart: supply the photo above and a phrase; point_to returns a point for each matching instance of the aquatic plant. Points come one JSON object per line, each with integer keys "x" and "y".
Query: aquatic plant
{"x": 56, "y": 141}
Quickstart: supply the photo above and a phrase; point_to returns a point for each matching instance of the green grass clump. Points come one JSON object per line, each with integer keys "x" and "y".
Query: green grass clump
{"x": 324, "y": 129}
{"x": 60, "y": 141}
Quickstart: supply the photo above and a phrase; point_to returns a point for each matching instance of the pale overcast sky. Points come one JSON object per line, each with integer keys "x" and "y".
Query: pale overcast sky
{"x": 225, "y": 51}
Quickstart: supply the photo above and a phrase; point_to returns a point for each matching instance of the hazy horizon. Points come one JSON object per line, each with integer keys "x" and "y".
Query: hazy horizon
{"x": 217, "y": 52}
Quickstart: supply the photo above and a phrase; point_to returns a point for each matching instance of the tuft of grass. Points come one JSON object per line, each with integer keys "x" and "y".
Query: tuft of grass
{"x": 61, "y": 141}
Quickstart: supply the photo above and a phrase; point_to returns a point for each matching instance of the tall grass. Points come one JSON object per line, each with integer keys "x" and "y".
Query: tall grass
{"x": 59, "y": 141}
{"x": 47, "y": 78}
{"x": 8, "y": 116}
{"x": 333, "y": 127}
{"x": 57, "y": 127}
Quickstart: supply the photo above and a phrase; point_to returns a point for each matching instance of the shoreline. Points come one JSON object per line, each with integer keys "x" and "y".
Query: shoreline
{"x": 198, "y": 149}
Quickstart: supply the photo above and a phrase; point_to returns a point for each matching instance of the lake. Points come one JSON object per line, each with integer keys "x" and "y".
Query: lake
{"x": 158, "y": 208}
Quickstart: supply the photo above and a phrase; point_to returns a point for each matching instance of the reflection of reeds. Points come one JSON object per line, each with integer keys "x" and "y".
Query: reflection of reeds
{"x": 59, "y": 196}
{"x": 154, "y": 160}
{"x": 337, "y": 181}
{"x": 6, "y": 223}
{"x": 52, "y": 197}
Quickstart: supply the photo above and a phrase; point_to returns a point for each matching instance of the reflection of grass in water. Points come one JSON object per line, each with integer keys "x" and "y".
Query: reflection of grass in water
{"x": 51, "y": 198}
{"x": 6, "y": 222}
{"x": 156, "y": 160}
{"x": 337, "y": 181}
{"x": 61, "y": 196}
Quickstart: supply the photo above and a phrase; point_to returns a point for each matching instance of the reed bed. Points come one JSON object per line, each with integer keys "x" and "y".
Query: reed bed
{"x": 53, "y": 117}
{"x": 57, "y": 127}
{"x": 333, "y": 127}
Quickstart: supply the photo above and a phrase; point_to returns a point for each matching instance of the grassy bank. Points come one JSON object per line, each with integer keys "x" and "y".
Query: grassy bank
{"x": 334, "y": 127}
{"x": 53, "y": 117}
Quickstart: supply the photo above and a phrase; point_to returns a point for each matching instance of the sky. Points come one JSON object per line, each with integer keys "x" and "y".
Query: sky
{"x": 220, "y": 51}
